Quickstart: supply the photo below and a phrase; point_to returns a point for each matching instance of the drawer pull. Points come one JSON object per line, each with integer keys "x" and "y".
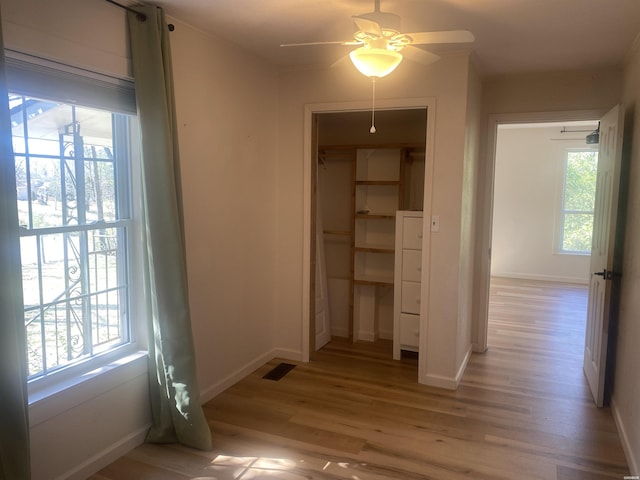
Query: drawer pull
{"x": 418, "y": 301}
{"x": 416, "y": 333}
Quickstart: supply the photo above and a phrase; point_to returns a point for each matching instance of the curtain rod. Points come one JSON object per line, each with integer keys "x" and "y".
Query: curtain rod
{"x": 140, "y": 16}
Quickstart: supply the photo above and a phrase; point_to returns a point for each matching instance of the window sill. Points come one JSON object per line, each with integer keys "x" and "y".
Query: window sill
{"x": 574, "y": 254}
{"x": 53, "y": 400}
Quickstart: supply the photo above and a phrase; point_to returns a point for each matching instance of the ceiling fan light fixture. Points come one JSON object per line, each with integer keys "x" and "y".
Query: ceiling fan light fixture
{"x": 375, "y": 62}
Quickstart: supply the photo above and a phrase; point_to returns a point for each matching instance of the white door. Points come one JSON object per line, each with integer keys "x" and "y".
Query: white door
{"x": 602, "y": 266}
{"x": 323, "y": 323}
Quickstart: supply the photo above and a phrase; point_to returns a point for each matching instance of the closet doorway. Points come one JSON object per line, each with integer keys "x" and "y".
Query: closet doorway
{"x": 343, "y": 303}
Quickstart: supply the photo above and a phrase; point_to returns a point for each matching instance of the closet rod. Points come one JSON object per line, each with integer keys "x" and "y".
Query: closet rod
{"x": 565, "y": 130}
{"x": 140, "y": 16}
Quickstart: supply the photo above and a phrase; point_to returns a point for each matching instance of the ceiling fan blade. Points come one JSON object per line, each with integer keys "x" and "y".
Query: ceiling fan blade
{"x": 419, "y": 56}
{"x": 341, "y": 62}
{"x": 450, "y": 36}
{"x": 337, "y": 42}
{"x": 368, "y": 26}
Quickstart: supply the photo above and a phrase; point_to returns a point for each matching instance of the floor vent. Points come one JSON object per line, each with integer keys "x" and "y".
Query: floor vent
{"x": 278, "y": 372}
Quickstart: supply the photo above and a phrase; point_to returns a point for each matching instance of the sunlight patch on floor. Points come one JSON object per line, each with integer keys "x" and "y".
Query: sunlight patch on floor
{"x": 226, "y": 467}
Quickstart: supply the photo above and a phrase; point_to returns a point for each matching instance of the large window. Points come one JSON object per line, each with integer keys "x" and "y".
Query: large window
{"x": 73, "y": 176}
{"x": 578, "y": 201}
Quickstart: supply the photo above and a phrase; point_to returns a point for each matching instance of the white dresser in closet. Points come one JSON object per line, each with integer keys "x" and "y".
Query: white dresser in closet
{"x": 407, "y": 276}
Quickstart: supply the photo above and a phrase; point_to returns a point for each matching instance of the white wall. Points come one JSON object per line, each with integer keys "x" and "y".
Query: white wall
{"x": 468, "y": 218}
{"x": 226, "y": 104}
{"x": 626, "y": 390}
{"x": 86, "y": 426}
{"x": 447, "y": 81}
{"x": 552, "y": 91}
{"x": 529, "y": 172}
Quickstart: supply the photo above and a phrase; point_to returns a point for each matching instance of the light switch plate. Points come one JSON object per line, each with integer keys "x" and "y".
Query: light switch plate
{"x": 435, "y": 223}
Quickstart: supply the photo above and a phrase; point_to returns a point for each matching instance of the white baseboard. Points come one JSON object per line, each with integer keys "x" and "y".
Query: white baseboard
{"x": 463, "y": 366}
{"x": 633, "y": 457}
{"x": 286, "y": 354}
{"x": 439, "y": 381}
{"x": 450, "y": 383}
{"x": 545, "y": 278}
{"x": 107, "y": 456}
{"x": 234, "y": 377}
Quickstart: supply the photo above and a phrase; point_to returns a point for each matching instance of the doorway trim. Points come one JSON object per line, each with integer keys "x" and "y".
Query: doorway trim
{"x": 429, "y": 103}
{"x": 483, "y": 262}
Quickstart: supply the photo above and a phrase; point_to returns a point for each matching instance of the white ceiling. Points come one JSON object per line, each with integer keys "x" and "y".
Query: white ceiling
{"x": 512, "y": 36}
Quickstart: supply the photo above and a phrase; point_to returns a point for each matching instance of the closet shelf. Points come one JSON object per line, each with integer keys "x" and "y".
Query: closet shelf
{"x": 373, "y": 248}
{"x": 339, "y": 277}
{"x": 375, "y": 280}
{"x": 337, "y": 232}
{"x": 376, "y": 216}
{"x": 378, "y": 182}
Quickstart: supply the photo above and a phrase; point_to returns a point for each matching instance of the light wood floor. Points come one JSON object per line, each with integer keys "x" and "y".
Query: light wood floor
{"x": 523, "y": 411}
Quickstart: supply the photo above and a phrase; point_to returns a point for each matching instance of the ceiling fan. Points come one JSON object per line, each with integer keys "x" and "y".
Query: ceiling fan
{"x": 382, "y": 45}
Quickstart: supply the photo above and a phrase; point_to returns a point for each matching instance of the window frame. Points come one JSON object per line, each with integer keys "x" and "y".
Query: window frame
{"x": 37, "y": 77}
{"x": 562, "y": 212}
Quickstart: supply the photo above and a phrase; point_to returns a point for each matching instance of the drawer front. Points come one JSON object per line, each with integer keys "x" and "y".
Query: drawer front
{"x": 409, "y": 330}
{"x": 412, "y": 233}
{"x": 410, "y": 297}
{"x": 412, "y": 265}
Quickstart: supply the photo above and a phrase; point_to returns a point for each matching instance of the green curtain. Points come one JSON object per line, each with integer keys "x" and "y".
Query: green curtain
{"x": 176, "y": 409}
{"x": 14, "y": 421}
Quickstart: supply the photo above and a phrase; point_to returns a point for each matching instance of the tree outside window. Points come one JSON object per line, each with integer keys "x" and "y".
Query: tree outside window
{"x": 578, "y": 202}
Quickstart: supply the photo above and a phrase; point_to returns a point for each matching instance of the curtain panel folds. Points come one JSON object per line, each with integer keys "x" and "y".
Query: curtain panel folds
{"x": 176, "y": 410}
{"x": 14, "y": 421}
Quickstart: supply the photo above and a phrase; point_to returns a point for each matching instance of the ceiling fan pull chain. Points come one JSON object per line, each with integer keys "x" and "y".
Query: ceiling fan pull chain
{"x": 373, "y": 107}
